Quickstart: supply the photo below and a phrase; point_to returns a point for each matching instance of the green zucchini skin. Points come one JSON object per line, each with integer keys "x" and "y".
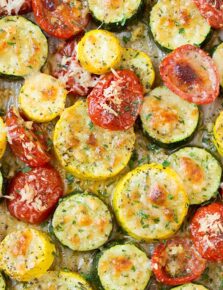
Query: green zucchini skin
{"x": 121, "y": 24}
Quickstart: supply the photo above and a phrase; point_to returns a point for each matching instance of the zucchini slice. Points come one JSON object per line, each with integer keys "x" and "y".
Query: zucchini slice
{"x": 199, "y": 171}
{"x": 42, "y": 97}
{"x": 82, "y": 222}
{"x": 218, "y": 133}
{"x": 167, "y": 118}
{"x": 2, "y": 282}
{"x": 89, "y": 151}
{"x": 218, "y": 57}
{"x": 23, "y": 46}
{"x": 190, "y": 287}
{"x": 177, "y": 22}
{"x": 3, "y": 137}
{"x": 26, "y": 254}
{"x": 150, "y": 202}
{"x": 141, "y": 64}
{"x": 114, "y": 13}
{"x": 123, "y": 267}
{"x": 99, "y": 51}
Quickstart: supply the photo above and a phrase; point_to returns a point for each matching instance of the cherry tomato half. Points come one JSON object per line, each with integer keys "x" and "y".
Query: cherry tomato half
{"x": 61, "y": 18}
{"x": 207, "y": 231}
{"x": 32, "y": 196}
{"x": 17, "y": 8}
{"x": 66, "y": 67}
{"x": 116, "y": 100}
{"x": 212, "y": 10}
{"x": 177, "y": 262}
{"x": 25, "y": 144}
{"x": 191, "y": 74}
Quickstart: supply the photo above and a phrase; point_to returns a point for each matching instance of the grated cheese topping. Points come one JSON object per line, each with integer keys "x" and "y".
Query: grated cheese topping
{"x": 12, "y": 6}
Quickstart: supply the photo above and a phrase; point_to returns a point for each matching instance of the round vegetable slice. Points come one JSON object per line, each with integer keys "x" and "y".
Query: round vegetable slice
{"x": 61, "y": 19}
{"x": 116, "y": 100}
{"x": 212, "y": 10}
{"x": 190, "y": 286}
{"x": 42, "y": 98}
{"x": 11, "y": 7}
{"x": 140, "y": 63}
{"x": 82, "y": 222}
{"x": 190, "y": 73}
{"x": 65, "y": 66}
{"x": 99, "y": 51}
{"x": 217, "y": 57}
{"x": 177, "y": 22}
{"x": 2, "y": 282}
{"x": 3, "y": 139}
{"x": 33, "y": 195}
{"x": 89, "y": 151}
{"x": 25, "y": 144}
{"x": 199, "y": 171}
{"x": 150, "y": 202}
{"x": 23, "y": 46}
{"x": 177, "y": 262}
{"x": 120, "y": 266}
{"x": 207, "y": 230}
{"x": 218, "y": 133}
{"x": 26, "y": 254}
{"x": 167, "y": 118}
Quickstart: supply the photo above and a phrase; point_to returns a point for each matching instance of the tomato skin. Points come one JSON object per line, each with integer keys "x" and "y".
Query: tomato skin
{"x": 191, "y": 73}
{"x": 44, "y": 186}
{"x": 62, "y": 64}
{"x": 204, "y": 239}
{"x": 24, "y": 143}
{"x": 212, "y": 10}
{"x": 196, "y": 264}
{"x": 25, "y": 8}
{"x": 123, "y": 110}
{"x": 60, "y": 19}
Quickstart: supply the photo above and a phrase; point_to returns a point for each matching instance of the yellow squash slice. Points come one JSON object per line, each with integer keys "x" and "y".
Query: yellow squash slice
{"x": 218, "y": 57}
{"x": 3, "y": 138}
{"x": 218, "y": 133}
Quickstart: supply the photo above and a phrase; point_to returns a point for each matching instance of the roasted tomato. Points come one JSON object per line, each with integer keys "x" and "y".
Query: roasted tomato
{"x": 33, "y": 195}
{"x": 207, "y": 231}
{"x": 65, "y": 66}
{"x": 25, "y": 144}
{"x": 9, "y": 7}
{"x": 177, "y": 262}
{"x": 191, "y": 74}
{"x": 116, "y": 100}
{"x": 61, "y": 19}
{"x": 212, "y": 10}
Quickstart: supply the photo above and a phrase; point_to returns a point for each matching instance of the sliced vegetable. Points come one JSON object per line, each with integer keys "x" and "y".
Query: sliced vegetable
{"x": 42, "y": 98}
{"x": 212, "y": 11}
{"x": 113, "y": 14}
{"x": 200, "y": 172}
{"x": 140, "y": 63}
{"x": 120, "y": 266}
{"x": 99, "y": 51}
{"x": 175, "y": 23}
{"x": 177, "y": 261}
{"x": 207, "y": 230}
{"x": 25, "y": 144}
{"x": 116, "y": 100}
{"x": 190, "y": 73}
{"x": 26, "y": 254}
{"x": 23, "y": 46}
{"x": 190, "y": 286}
{"x": 65, "y": 66}
{"x": 2, "y": 282}
{"x": 167, "y": 118}
{"x": 61, "y": 19}
{"x": 3, "y": 139}
{"x": 150, "y": 202}
{"x": 82, "y": 222}
{"x": 217, "y": 57}
{"x": 12, "y": 7}
{"x": 88, "y": 151}
{"x": 33, "y": 195}
{"x": 218, "y": 133}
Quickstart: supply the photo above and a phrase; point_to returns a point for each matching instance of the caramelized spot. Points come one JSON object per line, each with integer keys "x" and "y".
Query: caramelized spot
{"x": 49, "y": 94}
{"x": 102, "y": 223}
{"x": 22, "y": 245}
{"x": 92, "y": 140}
{"x": 72, "y": 141}
{"x": 121, "y": 264}
{"x": 75, "y": 240}
{"x": 84, "y": 221}
{"x": 158, "y": 195}
{"x": 192, "y": 170}
{"x": 185, "y": 73}
{"x": 185, "y": 16}
{"x": 113, "y": 3}
{"x": 169, "y": 213}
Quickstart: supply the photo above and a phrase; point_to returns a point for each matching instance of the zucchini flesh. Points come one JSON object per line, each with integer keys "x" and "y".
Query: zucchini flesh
{"x": 177, "y": 22}
{"x": 218, "y": 57}
{"x": 190, "y": 286}
{"x": 23, "y": 47}
{"x": 200, "y": 172}
{"x": 167, "y": 118}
